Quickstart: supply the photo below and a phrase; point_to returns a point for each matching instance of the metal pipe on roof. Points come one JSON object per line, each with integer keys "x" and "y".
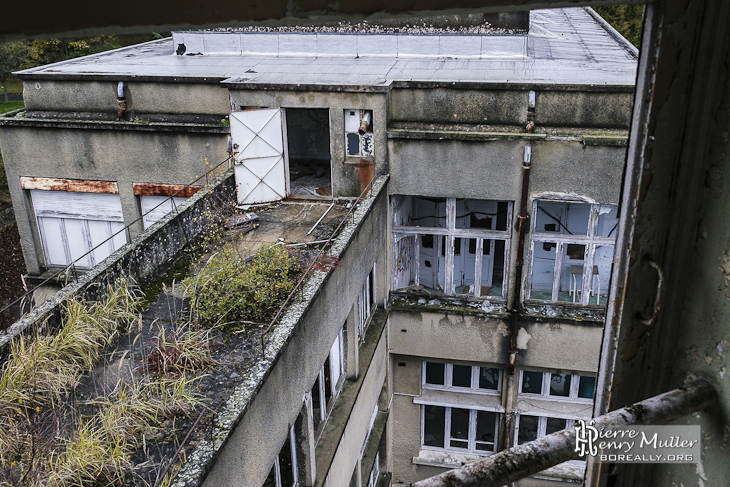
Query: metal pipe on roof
{"x": 321, "y": 218}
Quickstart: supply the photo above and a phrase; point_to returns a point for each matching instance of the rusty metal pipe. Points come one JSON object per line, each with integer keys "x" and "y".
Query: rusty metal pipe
{"x": 367, "y": 118}
{"x": 529, "y": 458}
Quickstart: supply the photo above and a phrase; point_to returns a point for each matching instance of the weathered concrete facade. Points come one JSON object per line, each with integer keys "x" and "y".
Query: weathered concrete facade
{"x": 510, "y": 178}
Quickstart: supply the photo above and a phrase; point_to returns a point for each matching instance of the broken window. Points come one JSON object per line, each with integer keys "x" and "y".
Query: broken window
{"x": 359, "y": 133}
{"x": 438, "y": 375}
{"x": 557, "y": 385}
{"x": 328, "y": 382}
{"x": 365, "y": 303}
{"x": 460, "y": 429}
{"x": 571, "y": 251}
{"x": 284, "y": 471}
{"x": 450, "y": 246}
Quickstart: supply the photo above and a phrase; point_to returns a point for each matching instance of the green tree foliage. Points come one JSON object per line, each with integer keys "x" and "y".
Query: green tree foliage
{"x": 627, "y": 19}
{"x": 228, "y": 292}
{"x": 13, "y": 56}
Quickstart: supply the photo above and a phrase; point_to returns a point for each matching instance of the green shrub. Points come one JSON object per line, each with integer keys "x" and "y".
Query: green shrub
{"x": 230, "y": 293}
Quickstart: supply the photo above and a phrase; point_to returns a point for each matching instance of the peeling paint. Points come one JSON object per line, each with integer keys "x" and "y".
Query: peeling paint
{"x": 522, "y": 338}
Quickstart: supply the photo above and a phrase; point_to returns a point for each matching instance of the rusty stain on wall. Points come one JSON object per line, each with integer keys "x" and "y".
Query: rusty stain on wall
{"x": 75, "y": 185}
{"x": 157, "y": 189}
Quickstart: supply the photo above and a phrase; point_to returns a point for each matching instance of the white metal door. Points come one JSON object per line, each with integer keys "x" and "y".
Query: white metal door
{"x": 262, "y": 172}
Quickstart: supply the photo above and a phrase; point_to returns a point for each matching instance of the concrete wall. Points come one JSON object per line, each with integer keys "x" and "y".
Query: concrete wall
{"x": 345, "y": 175}
{"x": 142, "y": 97}
{"x": 100, "y": 151}
{"x": 455, "y": 168}
{"x": 608, "y": 107}
{"x": 572, "y": 167}
{"x": 272, "y": 393}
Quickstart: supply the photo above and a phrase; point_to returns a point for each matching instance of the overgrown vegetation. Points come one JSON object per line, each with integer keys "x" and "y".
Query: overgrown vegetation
{"x": 231, "y": 293}
{"x": 46, "y": 439}
{"x": 627, "y": 19}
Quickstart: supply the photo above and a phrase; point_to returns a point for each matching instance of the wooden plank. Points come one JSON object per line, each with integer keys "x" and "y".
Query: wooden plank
{"x": 158, "y": 189}
{"x": 73, "y": 185}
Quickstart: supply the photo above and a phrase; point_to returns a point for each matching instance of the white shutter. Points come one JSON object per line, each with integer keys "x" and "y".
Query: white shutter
{"x": 262, "y": 173}
{"x": 155, "y": 207}
{"x": 71, "y": 224}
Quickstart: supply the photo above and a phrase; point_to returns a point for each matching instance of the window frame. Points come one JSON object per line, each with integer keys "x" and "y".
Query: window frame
{"x": 327, "y": 403}
{"x": 450, "y": 233}
{"x": 448, "y": 379}
{"x": 370, "y": 133}
{"x": 590, "y": 240}
{"x": 545, "y": 388}
{"x": 365, "y": 304}
{"x": 541, "y": 425}
{"x": 471, "y": 436}
{"x": 276, "y": 467}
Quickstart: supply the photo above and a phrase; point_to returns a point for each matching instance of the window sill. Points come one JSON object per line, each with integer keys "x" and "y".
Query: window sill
{"x": 547, "y": 311}
{"x": 360, "y": 160}
{"x": 412, "y": 302}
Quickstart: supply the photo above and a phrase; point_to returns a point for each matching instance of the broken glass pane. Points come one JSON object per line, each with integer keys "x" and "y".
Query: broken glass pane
{"x": 562, "y": 218}
{"x": 488, "y": 378}
{"x": 543, "y": 270}
{"x": 560, "y": 385}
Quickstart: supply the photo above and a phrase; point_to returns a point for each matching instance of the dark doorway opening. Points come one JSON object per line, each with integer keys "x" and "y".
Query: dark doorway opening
{"x": 308, "y": 140}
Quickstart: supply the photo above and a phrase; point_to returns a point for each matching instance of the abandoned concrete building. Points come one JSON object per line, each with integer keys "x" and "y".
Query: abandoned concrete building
{"x": 469, "y": 315}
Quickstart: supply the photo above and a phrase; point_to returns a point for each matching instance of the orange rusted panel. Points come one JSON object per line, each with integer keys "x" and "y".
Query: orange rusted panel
{"x": 159, "y": 189}
{"x": 75, "y": 185}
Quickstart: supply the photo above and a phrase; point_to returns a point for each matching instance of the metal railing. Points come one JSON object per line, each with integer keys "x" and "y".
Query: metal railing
{"x": 71, "y": 269}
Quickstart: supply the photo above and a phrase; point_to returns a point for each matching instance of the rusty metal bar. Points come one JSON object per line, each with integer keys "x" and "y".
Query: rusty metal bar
{"x": 529, "y": 458}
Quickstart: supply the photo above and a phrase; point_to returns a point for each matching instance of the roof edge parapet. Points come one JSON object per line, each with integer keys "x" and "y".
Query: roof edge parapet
{"x": 317, "y": 44}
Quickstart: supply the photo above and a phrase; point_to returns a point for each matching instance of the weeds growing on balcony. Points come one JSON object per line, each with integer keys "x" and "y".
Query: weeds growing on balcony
{"x": 45, "y": 440}
{"x": 229, "y": 292}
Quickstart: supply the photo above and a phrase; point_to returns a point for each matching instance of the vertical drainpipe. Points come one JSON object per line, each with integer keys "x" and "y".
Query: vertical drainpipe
{"x": 515, "y": 305}
{"x": 121, "y": 101}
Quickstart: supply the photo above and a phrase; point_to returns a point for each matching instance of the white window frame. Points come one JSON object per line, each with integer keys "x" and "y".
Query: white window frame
{"x": 366, "y": 301}
{"x": 590, "y": 240}
{"x": 541, "y": 425}
{"x": 545, "y": 388}
{"x": 375, "y": 471}
{"x": 351, "y": 128}
{"x": 448, "y": 379}
{"x": 471, "y": 449}
{"x": 325, "y": 404}
{"x": 277, "y": 463}
{"x": 451, "y": 233}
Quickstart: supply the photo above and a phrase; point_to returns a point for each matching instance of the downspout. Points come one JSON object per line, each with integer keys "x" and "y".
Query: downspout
{"x": 516, "y": 303}
{"x": 121, "y": 101}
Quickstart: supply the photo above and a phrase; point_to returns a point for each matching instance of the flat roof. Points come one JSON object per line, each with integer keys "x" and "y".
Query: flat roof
{"x": 564, "y": 46}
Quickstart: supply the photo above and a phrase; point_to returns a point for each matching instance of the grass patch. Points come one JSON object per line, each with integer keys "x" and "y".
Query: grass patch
{"x": 231, "y": 294}
{"x": 47, "y": 439}
{"x": 9, "y": 106}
